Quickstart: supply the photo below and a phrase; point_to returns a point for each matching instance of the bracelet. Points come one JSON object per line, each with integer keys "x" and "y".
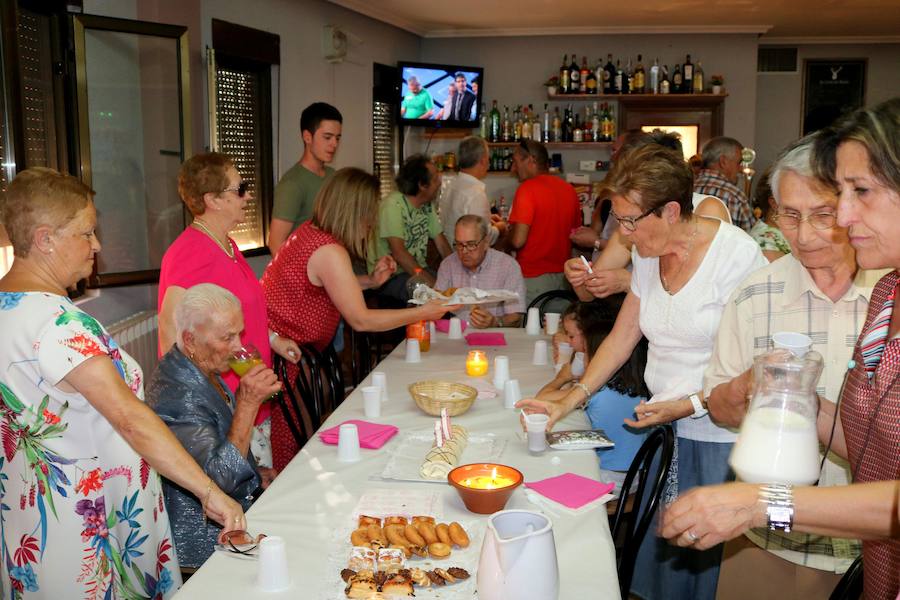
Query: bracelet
{"x": 700, "y": 411}
{"x": 272, "y": 336}
{"x": 778, "y": 499}
{"x": 586, "y": 390}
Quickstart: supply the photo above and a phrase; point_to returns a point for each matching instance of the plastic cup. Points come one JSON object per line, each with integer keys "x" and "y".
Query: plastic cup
{"x": 540, "y": 353}
{"x": 551, "y": 322}
{"x": 348, "y": 443}
{"x": 511, "y": 393}
{"x": 536, "y": 428}
{"x": 501, "y": 371}
{"x": 432, "y": 329}
{"x": 533, "y": 322}
{"x": 455, "y": 331}
{"x": 379, "y": 378}
{"x": 372, "y": 401}
{"x": 272, "y": 574}
{"x": 413, "y": 355}
{"x": 798, "y": 343}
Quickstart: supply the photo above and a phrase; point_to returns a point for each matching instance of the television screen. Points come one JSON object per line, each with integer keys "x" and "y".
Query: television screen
{"x": 440, "y": 95}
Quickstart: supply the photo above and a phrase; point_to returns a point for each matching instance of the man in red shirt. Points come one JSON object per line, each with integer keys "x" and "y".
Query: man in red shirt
{"x": 544, "y": 213}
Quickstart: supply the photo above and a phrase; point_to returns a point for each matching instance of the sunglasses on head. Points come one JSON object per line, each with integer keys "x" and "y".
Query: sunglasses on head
{"x": 241, "y": 189}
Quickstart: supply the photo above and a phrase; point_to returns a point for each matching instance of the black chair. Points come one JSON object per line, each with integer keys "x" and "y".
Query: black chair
{"x": 552, "y": 298}
{"x": 297, "y": 402}
{"x": 365, "y": 353}
{"x": 850, "y": 587}
{"x": 656, "y": 452}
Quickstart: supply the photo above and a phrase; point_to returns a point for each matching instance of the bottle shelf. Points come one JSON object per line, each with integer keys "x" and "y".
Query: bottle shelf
{"x": 557, "y": 145}
{"x": 640, "y": 98}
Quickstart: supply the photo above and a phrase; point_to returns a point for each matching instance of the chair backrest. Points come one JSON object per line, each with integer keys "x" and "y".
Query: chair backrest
{"x": 552, "y": 299}
{"x": 651, "y": 468}
{"x": 850, "y": 587}
{"x": 296, "y": 401}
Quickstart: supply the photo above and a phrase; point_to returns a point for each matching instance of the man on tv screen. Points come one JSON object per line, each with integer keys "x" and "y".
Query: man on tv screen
{"x": 417, "y": 104}
{"x": 463, "y": 100}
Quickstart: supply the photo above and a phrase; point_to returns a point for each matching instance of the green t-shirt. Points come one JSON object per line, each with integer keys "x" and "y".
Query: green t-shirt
{"x": 295, "y": 194}
{"x": 397, "y": 217}
{"x": 417, "y": 105}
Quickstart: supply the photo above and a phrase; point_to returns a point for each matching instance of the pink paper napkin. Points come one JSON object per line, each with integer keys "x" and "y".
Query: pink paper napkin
{"x": 371, "y": 435}
{"x": 486, "y": 339}
{"x": 443, "y": 325}
{"x": 571, "y": 490}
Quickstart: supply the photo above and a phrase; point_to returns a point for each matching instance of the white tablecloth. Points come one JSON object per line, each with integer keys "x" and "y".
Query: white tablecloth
{"x": 316, "y": 494}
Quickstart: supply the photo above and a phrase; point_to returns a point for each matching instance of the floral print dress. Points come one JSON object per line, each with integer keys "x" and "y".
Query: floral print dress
{"x": 82, "y": 515}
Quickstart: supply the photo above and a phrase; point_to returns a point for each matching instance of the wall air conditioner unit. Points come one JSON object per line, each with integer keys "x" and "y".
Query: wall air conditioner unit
{"x": 334, "y": 44}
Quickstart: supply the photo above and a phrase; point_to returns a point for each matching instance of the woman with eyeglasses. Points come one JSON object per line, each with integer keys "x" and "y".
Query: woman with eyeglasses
{"x": 215, "y": 194}
{"x": 685, "y": 268}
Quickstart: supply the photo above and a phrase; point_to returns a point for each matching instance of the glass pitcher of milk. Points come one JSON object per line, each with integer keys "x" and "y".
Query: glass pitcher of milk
{"x": 778, "y": 441}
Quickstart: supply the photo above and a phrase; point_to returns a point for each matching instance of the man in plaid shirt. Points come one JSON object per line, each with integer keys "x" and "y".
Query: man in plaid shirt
{"x": 721, "y": 166}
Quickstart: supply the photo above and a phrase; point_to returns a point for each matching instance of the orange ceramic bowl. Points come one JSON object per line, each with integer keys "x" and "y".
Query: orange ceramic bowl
{"x": 480, "y": 500}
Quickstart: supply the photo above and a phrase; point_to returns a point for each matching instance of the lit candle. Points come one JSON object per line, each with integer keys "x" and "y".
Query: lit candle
{"x": 487, "y": 482}
{"x": 476, "y": 363}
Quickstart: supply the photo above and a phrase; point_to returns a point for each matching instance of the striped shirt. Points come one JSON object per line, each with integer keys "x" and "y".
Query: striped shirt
{"x": 711, "y": 183}
{"x": 783, "y": 297}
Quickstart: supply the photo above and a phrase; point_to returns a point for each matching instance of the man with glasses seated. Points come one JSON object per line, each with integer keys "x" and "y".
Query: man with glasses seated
{"x": 818, "y": 290}
{"x": 475, "y": 264}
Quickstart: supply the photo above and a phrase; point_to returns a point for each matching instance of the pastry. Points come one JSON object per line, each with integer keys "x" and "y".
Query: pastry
{"x": 346, "y": 574}
{"x": 390, "y": 560}
{"x": 458, "y": 535}
{"x": 394, "y": 534}
{"x": 365, "y": 521}
{"x": 440, "y": 461}
{"x": 396, "y": 520}
{"x": 439, "y": 550}
{"x": 435, "y": 578}
{"x": 427, "y": 531}
{"x": 447, "y": 576}
{"x": 398, "y": 586}
{"x": 362, "y": 559}
{"x": 360, "y": 586}
{"x": 443, "y": 532}
{"x": 376, "y": 536}
{"x": 458, "y": 572}
{"x": 359, "y": 537}
{"x": 406, "y": 550}
{"x": 420, "y": 578}
{"x": 412, "y": 534}
{"x": 423, "y": 519}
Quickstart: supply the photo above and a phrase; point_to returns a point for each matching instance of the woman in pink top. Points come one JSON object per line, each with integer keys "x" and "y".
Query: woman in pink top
{"x": 214, "y": 192}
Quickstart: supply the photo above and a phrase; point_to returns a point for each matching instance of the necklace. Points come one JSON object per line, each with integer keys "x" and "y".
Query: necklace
{"x": 229, "y": 250}
{"x": 687, "y": 255}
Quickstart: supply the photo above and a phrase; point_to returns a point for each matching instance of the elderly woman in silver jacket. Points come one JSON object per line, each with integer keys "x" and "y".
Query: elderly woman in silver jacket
{"x": 214, "y": 426}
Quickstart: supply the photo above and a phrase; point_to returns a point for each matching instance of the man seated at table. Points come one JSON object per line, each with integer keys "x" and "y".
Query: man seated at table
{"x": 188, "y": 393}
{"x": 406, "y": 221}
{"x": 476, "y": 264}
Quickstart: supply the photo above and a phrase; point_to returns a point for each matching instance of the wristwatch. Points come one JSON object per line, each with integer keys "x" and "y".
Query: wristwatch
{"x": 778, "y": 499}
{"x": 699, "y": 409}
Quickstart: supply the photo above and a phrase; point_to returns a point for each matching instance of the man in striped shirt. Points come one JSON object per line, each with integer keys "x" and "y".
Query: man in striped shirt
{"x": 719, "y": 176}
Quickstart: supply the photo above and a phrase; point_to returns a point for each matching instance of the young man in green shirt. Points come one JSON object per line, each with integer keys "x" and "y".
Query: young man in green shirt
{"x": 320, "y": 128}
{"x": 417, "y": 104}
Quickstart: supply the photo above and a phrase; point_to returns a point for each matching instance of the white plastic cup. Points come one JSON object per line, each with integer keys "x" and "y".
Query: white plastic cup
{"x": 540, "y": 353}
{"x": 272, "y": 574}
{"x": 536, "y": 428}
{"x": 455, "y": 330}
{"x": 501, "y": 372}
{"x": 799, "y": 344}
{"x": 551, "y": 322}
{"x": 413, "y": 354}
{"x": 533, "y": 323}
{"x": 372, "y": 401}
{"x": 348, "y": 443}
{"x": 432, "y": 330}
{"x": 564, "y": 353}
{"x": 511, "y": 393}
{"x": 379, "y": 378}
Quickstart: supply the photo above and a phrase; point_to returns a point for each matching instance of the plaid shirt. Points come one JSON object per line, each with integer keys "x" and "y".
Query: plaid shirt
{"x": 711, "y": 183}
{"x": 498, "y": 271}
{"x": 783, "y": 297}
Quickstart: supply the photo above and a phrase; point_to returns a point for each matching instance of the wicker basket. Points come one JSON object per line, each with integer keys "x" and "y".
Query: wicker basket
{"x": 432, "y": 396}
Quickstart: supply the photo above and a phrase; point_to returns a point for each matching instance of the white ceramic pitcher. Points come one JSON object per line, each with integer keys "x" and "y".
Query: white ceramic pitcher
{"x": 518, "y": 558}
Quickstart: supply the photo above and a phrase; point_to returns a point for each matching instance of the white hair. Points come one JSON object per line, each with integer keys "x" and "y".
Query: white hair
{"x": 796, "y": 158}
{"x": 200, "y": 304}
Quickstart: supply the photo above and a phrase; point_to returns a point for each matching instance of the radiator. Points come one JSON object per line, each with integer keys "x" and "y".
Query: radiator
{"x": 137, "y": 335}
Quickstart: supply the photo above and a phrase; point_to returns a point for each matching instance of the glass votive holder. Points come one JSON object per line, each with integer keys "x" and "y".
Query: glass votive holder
{"x": 476, "y": 363}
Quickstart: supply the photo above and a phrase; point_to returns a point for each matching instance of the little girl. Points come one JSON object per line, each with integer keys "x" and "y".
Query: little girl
{"x": 586, "y": 325}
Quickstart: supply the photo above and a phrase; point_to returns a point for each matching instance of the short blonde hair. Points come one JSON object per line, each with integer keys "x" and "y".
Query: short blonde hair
{"x": 201, "y": 304}
{"x": 658, "y": 174}
{"x": 202, "y": 174}
{"x": 347, "y": 208}
{"x": 40, "y": 197}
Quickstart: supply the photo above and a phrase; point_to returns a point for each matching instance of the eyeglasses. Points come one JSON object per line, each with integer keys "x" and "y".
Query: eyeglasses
{"x": 470, "y": 246}
{"x": 241, "y": 542}
{"x": 630, "y": 223}
{"x": 241, "y": 189}
{"x": 818, "y": 220}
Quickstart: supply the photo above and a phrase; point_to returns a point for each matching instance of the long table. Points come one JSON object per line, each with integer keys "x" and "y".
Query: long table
{"x": 316, "y": 495}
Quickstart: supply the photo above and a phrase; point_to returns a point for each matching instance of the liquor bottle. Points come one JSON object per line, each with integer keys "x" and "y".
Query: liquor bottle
{"x": 526, "y": 124}
{"x": 618, "y": 79}
{"x": 654, "y": 77}
{"x": 496, "y": 130}
{"x": 609, "y": 76}
{"x": 566, "y": 128}
{"x": 605, "y": 124}
{"x": 640, "y": 78}
{"x": 677, "y": 82}
{"x": 664, "y": 85}
{"x": 564, "y": 75}
{"x": 517, "y": 124}
{"x": 545, "y": 133}
{"x": 557, "y": 126}
{"x": 596, "y": 131}
{"x": 504, "y": 210}
{"x": 586, "y": 124}
{"x": 536, "y": 131}
{"x": 698, "y": 79}
{"x": 687, "y": 76}
{"x": 577, "y": 131}
{"x": 591, "y": 82}
{"x": 574, "y": 77}
{"x": 611, "y": 125}
{"x": 583, "y": 75}
{"x": 628, "y": 79}
{"x": 507, "y": 126}
{"x": 484, "y": 124}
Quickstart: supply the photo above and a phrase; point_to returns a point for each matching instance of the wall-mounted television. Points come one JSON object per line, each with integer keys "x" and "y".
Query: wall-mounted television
{"x": 433, "y": 95}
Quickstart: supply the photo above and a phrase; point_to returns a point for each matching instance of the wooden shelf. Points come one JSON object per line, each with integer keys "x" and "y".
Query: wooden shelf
{"x": 557, "y": 145}
{"x": 660, "y": 98}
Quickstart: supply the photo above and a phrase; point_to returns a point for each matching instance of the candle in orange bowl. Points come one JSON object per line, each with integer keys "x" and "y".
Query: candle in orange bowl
{"x": 485, "y": 487}
{"x": 476, "y": 363}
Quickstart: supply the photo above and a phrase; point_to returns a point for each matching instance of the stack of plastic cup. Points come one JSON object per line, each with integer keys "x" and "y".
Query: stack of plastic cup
{"x": 501, "y": 372}
{"x": 533, "y": 323}
{"x": 348, "y": 443}
{"x": 511, "y": 393}
{"x": 413, "y": 355}
{"x": 551, "y": 322}
{"x": 379, "y": 378}
{"x": 455, "y": 331}
{"x": 372, "y": 401}
{"x": 540, "y": 353}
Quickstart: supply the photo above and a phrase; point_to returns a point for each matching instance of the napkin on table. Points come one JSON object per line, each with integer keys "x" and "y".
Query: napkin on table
{"x": 371, "y": 435}
{"x": 571, "y": 490}
{"x": 443, "y": 325}
{"x": 486, "y": 339}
